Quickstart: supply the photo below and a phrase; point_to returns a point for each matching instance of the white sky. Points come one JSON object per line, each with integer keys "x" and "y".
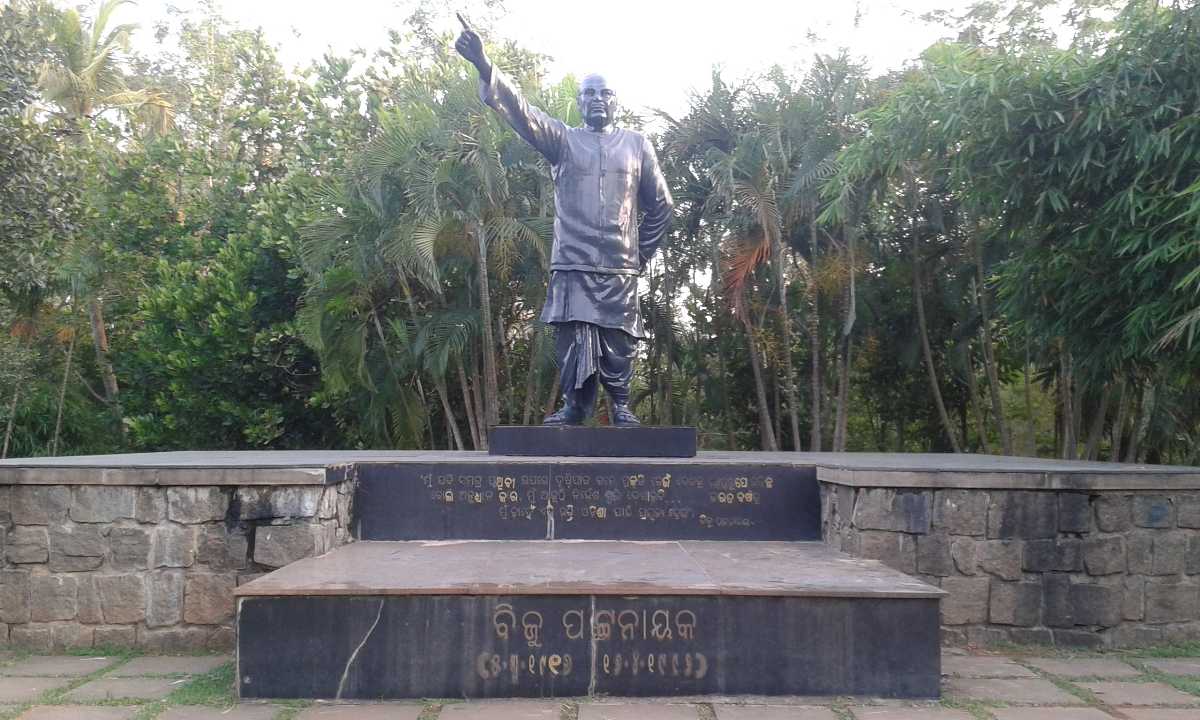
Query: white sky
{"x": 653, "y": 52}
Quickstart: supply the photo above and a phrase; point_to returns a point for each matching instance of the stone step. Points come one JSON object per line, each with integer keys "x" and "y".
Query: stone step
{"x": 541, "y": 498}
{"x": 479, "y": 619}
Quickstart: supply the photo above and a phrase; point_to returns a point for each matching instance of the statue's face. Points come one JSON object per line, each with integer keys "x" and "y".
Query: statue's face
{"x": 597, "y": 102}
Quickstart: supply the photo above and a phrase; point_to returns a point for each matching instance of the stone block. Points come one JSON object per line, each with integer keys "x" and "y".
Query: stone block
{"x": 14, "y": 596}
{"x": 31, "y": 637}
{"x": 985, "y": 636}
{"x": 894, "y": 549}
{"x": 1129, "y": 635}
{"x": 115, "y": 636}
{"x": 129, "y": 548}
{"x": 265, "y": 503}
{"x": 1059, "y": 555}
{"x": 87, "y": 601}
{"x": 1023, "y": 515}
{"x": 151, "y": 505}
{"x": 907, "y": 511}
{"x": 1172, "y": 602}
{"x": 1029, "y": 690}
{"x": 40, "y": 504}
{"x": 70, "y": 636}
{"x": 122, "y": 598}
{"x": 1015, "y": 603}
{"x": 1114, "y": 513}
{"x": 1153, "y": 511}
{"x": 221, "y": 549}
{"x": 102, "y": 503}
{"x": 1192, "y": 563}
{"x": 1104, "y": 555}
{"x": 1096, "y": 604}
{"x": 223, "y": 637}
{"x": 967, "y": 602}
{"x": 962, "y": 553}
{"x": 1157, "y": 552}
{"x": 1001, "y": 558}
{"x": 1187, "y": 511}
{"x": 27, "y": 544}
{"x": 961, "y": 512}
{"x": 164, "y": 604}
{"x": 279, "y": 545}
{"x": 191, "y": 505}
{"x": 1057, "y": 610}
{"x": 1084, "y": 639}
{"x": 55, "y": 596}
{"x": 76, "y": 548}
{"x": 172, "y": 640}
{"x": 208, "y": 599}
{"x": 1133, "y": 598}
{"x": 1030, "y": 636}
{"x": 933, "y": 555}
{"x": 1074, "y": 512}
{"x": 328, "y": 507}
{"x": 244, "y": 578}
{"x": 174, "y": 546}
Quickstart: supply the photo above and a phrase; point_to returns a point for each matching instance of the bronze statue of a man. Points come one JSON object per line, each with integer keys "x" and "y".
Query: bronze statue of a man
{"x": 604, "y": 177}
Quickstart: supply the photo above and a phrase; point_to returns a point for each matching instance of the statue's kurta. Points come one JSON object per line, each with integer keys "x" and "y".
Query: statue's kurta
{"x": 602, "y": 181}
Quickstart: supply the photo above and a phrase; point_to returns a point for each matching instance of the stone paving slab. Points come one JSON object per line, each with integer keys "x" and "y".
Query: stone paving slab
{"x": 502, "y": 710}
{"x": 910, "y": 713}
{"x": 1176, "y": 666}
{"x": 1158, "y": 714}
{"x": 245, "y": 711}
{"x": 637, "y": 711}
{"x": 57, "y": 665}
{"x": 773, "y": 712}
{"x": 117, "y": 688}
{"x": 1024, "y": 691}
{"x": 1084, "y": 667}
{"x": 170, "y": 665}
{"x": 1050, "y": 713}
{"x": 365, "y": 711}
{"x": 983, "y": 666}
{"x": 22, "y": 690}
{"x": 77, "y": 712}
{"x": 1132, "y": 693}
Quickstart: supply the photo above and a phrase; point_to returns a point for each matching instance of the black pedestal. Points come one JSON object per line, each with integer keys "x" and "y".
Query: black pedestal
{"x": 581, "y": 441}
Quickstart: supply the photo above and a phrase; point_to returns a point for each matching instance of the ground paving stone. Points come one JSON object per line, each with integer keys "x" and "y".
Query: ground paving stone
{"x": 773, "y": 712}
{"x": 245, "y": 711}
{"x": 1025, "y": 691}
{"x": 77, "y": 712}
{"x": 637, "y": 711}
{"x": 1177, "y": 666}
{"x": 1084, "y": 667}
{"x": 1050, "y": 713}
{"x": 1131, "y": 693}
{"x": 1158, "y": 713}
{"x": 372, "y": 711}
{"x": 170, "y": 665}
{"x": 502, "y": 710}
{"x": 909, "y": 713}
{"x": 21, "y": 689}
{"x": 983, "y": 666}
{"x": 116, "y": 688}
{"x": 57, "y": 665}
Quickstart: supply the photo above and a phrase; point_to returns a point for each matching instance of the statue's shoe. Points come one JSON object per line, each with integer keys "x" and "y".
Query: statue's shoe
{"x": 568, "y": 415}
{"x": 622, "y": 416}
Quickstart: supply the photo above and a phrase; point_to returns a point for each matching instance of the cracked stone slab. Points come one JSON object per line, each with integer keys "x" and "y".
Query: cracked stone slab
{"x": 117, "y": 688}
{"x": 1132, "y": 693}
{"x": 983, "y": 666}
{"x": 637, "y": 711}
{"x": 362, "y": 711}
{"x": 57, "y": 666}
{"x": 1177, "y": 666}
{"x": 245, "y": 711}
{"x": 502, "y": 710}
{"x": 774, "y": 712}
{"x": 911, "y": 713}
{"x": 1050, "y": 713}
{"x": 77, "y": 712}
{"x": 1157, "y": 714}
{"x": 1085, "y": 667}
{"x": 1026, "y": 691}
{"x": 22, "y": 690}
{"x": 170, "y": 665}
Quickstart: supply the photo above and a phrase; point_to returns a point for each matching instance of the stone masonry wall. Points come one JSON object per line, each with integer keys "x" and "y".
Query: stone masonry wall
{"x": 149, "y": 567}
{"x": 1110, "y": 568}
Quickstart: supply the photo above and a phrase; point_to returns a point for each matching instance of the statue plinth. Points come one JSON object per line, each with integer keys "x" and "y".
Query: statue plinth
{"x": 584, "y": 441}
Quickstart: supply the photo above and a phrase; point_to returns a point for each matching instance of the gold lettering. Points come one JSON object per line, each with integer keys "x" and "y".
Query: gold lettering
{"x": 504, "y": 627}
{"x": 628, "y": 622}
{"x": 573, "y": 627}
{"x": 602, "y": 625}
{"x": 661, "y": 629}
{"x": 685, "y": 623}
{"x": 531, "y": 622}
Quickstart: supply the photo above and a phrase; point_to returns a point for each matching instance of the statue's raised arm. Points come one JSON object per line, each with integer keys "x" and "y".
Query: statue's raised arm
{"x": 543, "y": 132}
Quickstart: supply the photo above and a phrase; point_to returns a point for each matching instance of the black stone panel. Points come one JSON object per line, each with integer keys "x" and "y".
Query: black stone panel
{"x": 563, "y": 646}
{"x": 604, "y": 441}
{"x": 621, "y": 501}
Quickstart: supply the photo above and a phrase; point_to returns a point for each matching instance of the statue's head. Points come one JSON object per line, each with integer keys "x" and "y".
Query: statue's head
{"x": 597, "y": 102}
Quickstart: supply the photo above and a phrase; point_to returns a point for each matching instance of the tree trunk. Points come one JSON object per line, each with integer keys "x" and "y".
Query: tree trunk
{"x": 531, "y": 375}
{"x": 12, "y": 416}
{"x": 785, "y": 328}
{"x": 1118, "y": 427}
{"x": 667, "y": 343}
{"x": 760, "y": 388}
{"x": 1031, "y": 426}
{"x": 973, "y": 390}
{"x": 923, "y": 330}
{"x": 843, "y": 393}
{"x": 107, "y": 374}
{"x": 814, "y": 338}
{"x": 989, "y": 354}
{"x": 1066, "y": 387}
{"x": 468, "y": 404}
{"x": 480, "y": 406}
{"x": 439, "y": 384}
{"x": 1140, "y": 417}
{"x": 491, "y": 404}
{"x": 62, "y": 397}
{"x": 555, "y": 391}
{"x": 1096, "y": 430}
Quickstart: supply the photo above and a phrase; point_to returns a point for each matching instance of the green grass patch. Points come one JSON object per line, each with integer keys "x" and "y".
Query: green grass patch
{"x": 214, "y": 688}
{"x": 1174, "y": 650}
{"x": 112, "y": 651}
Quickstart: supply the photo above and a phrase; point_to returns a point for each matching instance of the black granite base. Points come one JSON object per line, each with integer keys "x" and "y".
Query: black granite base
{"x": 367, "y": 647}
{"x": 604, "y": 441}
{"x": 524, "y": 500}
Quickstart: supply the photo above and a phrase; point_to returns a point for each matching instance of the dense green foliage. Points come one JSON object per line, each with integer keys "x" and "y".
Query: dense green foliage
{"x": 994, "y": 249}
